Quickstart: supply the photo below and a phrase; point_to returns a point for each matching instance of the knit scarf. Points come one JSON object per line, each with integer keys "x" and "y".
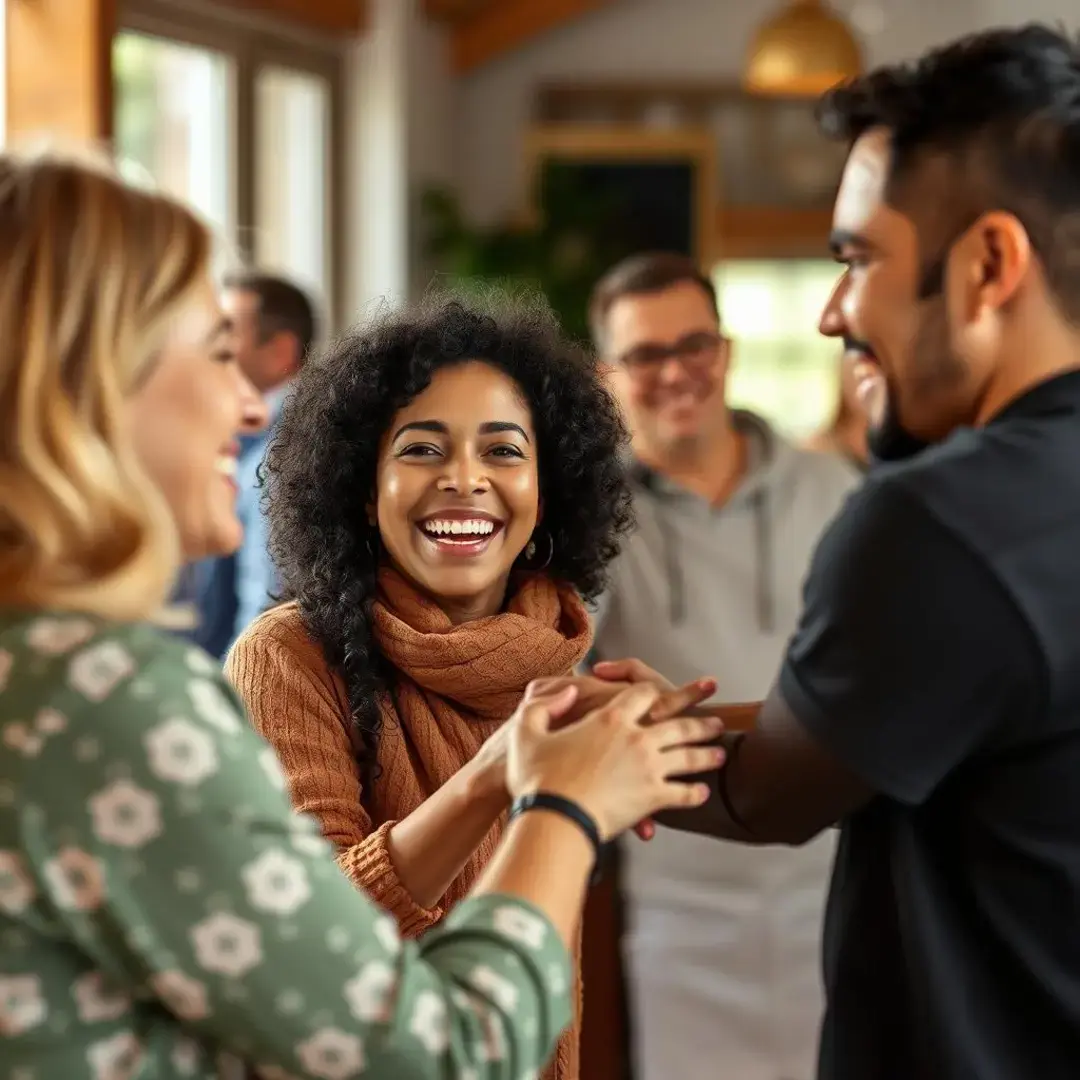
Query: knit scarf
{"x": 453, "y": 687}
{"x": 463, "y": 681}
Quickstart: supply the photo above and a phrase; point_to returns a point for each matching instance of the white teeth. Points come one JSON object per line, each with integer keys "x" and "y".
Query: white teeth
{"x": 472, "y": 527}
{"x": 226, "y": 465}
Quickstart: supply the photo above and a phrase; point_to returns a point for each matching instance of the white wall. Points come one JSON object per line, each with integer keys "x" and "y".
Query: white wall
{"x": 417, "y": 124}
{"x": 402, "y": 129}
{"x": 679, "y": 39}
{"x": 1006, "y": 12}
{"x": 643, "y": 39}
{"x": 433, "y": 99}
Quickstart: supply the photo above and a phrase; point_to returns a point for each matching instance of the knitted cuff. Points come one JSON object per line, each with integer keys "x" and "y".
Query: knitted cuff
{"x": 369, "y": 867}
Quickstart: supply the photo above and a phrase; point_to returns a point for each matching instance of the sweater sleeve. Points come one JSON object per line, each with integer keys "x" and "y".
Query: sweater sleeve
{"x": 292, "y": 702}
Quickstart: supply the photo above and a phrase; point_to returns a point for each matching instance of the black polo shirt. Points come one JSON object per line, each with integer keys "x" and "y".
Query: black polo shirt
{"x": 938, "y": 656}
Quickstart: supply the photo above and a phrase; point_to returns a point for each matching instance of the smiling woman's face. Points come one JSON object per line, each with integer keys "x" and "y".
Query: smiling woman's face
{"x": 457, "y": 489}
{"x": 185, "y": 420}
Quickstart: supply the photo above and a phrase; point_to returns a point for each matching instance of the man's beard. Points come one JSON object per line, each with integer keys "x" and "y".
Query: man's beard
{"x": 888, "y": 440}
{"x": 935, "y": 368}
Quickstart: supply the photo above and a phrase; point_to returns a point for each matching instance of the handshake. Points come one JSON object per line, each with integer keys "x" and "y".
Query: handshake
{"x": 622, "y": 743}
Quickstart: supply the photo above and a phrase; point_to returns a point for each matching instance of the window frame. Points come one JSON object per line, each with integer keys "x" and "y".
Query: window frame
{"x": 251, "y": 42}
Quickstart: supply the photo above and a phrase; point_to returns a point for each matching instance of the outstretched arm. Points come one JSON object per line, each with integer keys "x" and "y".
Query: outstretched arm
{"x": 778, "y": 786}
{"x": 908, "y": 657}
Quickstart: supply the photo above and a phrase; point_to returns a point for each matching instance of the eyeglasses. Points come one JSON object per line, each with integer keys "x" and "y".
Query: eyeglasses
{"x": 696, "y": 351}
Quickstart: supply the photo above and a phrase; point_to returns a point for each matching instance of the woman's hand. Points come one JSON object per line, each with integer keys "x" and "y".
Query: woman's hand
{"x": 617, "y": 762}
{"x": 487, "y": 771}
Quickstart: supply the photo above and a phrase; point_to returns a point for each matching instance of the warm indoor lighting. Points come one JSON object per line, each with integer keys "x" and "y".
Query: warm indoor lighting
{"x": 804, "y": 50}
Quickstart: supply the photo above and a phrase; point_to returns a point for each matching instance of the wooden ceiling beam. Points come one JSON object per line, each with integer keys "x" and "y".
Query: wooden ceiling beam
{"x": 504, "y": 25}
{"x": 454, "y": 11}
{"x": 324, "y": 16}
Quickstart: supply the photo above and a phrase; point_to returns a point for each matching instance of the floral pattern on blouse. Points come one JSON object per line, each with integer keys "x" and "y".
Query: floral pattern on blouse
{"x": 165, "y": 914}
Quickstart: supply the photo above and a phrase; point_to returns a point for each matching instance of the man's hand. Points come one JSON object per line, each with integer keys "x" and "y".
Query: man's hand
{"x": 632, "y": 671}
{"x": 594, "y": 691}
{"x": 624, "y": 672}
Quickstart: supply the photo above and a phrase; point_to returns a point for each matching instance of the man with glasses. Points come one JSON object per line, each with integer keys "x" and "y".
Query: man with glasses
{"x": 722, "y": 944}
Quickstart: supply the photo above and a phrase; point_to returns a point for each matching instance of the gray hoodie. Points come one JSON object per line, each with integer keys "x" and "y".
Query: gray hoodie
{"x": 722, "y": 947}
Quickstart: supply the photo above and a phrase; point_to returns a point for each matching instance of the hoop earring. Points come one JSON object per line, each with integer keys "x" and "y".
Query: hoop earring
{"x": 530, "y": 553}
{"x": 372, "y": 548}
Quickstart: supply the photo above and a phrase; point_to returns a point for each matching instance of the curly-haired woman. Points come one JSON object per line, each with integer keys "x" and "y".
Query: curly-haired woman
{"x": 445, "y": 492}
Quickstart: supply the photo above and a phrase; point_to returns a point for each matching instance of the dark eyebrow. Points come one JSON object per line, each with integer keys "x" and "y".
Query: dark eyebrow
{"x": 495, "y": 427}
{"x": 844, "y": 238}
{"x": 437, "y": 427}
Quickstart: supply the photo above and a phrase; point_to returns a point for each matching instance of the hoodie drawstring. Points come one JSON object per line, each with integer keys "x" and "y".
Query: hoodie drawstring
{"x": 673, "y": 568}
{"x": 763, "y": 536}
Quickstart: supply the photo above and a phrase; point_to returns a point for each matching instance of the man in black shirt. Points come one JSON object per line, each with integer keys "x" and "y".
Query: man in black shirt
{"x": 930, "y": 700}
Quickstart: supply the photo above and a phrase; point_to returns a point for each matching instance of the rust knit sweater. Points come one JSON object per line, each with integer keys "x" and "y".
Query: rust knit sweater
{"x": 300, "y": 706}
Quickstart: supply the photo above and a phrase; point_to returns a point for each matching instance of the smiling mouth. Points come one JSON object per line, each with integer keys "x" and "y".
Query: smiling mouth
{"x": 225, "y": 465}
{"x": 460, "y": 536}
{"x": 868, "y": 376}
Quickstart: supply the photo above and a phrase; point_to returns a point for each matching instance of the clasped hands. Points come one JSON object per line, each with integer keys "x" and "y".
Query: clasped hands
{"x": 610, "y": 678}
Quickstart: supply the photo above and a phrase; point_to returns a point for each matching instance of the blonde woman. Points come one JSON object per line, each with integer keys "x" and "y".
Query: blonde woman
{"x": 162, "y": 911}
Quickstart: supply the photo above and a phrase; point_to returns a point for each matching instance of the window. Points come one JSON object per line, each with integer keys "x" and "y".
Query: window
{"x": 293, "y": 132}
{"x": 239, "y": 118}
{"x": 782, "y": 368}
{"x": 173, "y": 122}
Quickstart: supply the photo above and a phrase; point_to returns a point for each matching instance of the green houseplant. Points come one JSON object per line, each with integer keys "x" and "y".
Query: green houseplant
{"x": 561, "y": 254}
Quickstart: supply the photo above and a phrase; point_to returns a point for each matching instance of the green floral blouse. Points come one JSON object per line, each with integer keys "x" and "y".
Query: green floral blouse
{"x": 165, "y": 914}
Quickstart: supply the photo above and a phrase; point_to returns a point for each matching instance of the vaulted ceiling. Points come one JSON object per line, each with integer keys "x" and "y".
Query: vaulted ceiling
{"x": 480, "y": 30}
{"x": 484, "y": 29}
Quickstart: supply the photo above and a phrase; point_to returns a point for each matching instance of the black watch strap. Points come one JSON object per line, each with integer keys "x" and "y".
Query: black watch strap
{"x": 543, "y": 800}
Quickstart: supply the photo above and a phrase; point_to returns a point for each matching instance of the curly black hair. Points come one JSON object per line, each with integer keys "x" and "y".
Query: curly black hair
{"x": 320, "y": 468}
{"x": 1003, "y": 107}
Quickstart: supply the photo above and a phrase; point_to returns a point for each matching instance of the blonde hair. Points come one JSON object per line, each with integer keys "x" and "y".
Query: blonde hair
{"x": 91, "y": 270}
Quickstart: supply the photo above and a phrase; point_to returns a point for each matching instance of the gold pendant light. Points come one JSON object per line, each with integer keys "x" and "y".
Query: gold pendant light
{"x": 804, "y": 50}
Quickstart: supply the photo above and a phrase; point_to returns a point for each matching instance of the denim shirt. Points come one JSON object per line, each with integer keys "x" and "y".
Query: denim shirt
{"x": 232, "y": 591}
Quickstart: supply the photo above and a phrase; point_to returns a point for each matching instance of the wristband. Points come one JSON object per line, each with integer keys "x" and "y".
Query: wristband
{"x": 542, "y": 800}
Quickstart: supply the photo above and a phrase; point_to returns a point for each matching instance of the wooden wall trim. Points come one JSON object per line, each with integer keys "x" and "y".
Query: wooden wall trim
{"x": 59, "y": 69}
{"x": 772, "y": 232}
{"x": 503, "y": 26}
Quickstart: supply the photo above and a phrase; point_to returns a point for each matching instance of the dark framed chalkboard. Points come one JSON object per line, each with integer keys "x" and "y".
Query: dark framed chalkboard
{"x": 647, "y": 189}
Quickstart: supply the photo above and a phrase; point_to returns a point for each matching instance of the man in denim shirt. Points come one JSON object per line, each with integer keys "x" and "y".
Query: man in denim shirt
{"x": 274, "y": 327}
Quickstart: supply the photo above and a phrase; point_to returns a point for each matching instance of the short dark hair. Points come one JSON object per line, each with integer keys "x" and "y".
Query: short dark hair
{"x": 649, "y": 272}
{"x": 321, "y": 465}
{"x": 1002, "y": 109}
{"x": 283, "y": 306}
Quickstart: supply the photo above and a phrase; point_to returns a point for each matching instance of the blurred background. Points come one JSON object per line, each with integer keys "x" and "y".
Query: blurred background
{"x": 364, "y": 147}
{"x": 368, "y": 148}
